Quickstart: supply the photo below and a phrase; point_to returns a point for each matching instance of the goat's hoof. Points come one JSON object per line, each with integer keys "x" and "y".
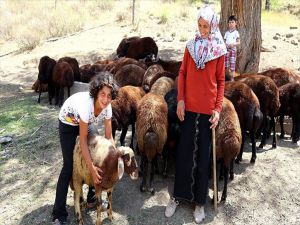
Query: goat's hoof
{"x": 231, "y": 176}
{"x": 261, "y": 146}
{"x": 252, "y": 160}
{"x": 274, "y": 145}
{"x": 281, "y": 136}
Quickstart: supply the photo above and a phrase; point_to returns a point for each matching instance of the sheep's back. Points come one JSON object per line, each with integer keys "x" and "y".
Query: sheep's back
{"x": 266, "y": 91}
{"x": 162, "y": 86}
{"x": 244, "y": 100}
{"x": 74, "y": 65}
{"x": 228, "y": 133}
{"x": 130, "y": 75}
{"x": 63, "y": 75}
{"x": 281, "y": 76}
{"x": 103, "y": 155}
{"x": 152, "y": 115}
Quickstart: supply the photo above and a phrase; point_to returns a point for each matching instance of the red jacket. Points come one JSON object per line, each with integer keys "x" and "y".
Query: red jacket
{"x": 202, "y": 90}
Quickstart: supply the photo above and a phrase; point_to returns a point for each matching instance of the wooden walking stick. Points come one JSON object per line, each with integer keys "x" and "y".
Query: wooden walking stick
{"x": 214, "y": 168}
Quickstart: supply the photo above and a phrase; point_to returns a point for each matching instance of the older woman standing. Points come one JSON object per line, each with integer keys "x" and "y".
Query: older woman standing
{"x": 200, "y": 95}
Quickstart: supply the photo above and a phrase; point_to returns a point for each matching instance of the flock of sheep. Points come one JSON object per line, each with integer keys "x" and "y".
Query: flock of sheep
{"x": 147, "y": 101}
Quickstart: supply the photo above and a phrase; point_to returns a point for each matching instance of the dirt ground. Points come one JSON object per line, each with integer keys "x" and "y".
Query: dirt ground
{"x": 265, "y": 193}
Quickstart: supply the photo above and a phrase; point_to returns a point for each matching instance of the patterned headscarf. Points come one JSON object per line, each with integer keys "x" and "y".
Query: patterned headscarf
{"x": 203, "y": 50}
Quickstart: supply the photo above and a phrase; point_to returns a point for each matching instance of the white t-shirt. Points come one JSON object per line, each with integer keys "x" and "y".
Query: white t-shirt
{"x": 80, "y": 106}
{"x": 231, "y": 36}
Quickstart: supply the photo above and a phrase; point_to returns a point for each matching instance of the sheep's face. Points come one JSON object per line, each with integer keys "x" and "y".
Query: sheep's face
{"x": 130, "y": 164}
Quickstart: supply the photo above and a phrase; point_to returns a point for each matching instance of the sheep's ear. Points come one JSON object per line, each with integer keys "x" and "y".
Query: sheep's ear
{"x": 125, "y": 155}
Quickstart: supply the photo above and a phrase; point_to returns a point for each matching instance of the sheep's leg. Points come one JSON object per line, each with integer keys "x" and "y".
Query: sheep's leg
{"x": 240, "y": 155}
{"x": 68, "y": 91}
{"x": 253, "y": 157}
{"x": 231, "y": 170}
{"x": 109, "y": 212}
{"x": 145, "y": 173}
{"x": 224, "y": 194}
{"x": 221, "y": 170}
{"x": 77, "y": 193}
{"x": 98, "y": 193}
{"x": 274, "y": 131}
{"x": 296, "y": 129}
{"x": 56, "y": 91}
{"x": 39, "y": 99}
{"x": 281, "y": 118}
{"x": 123, "y": 135}
{"x": 61, "y": 96}
{"x": 165, "y": 160}
{"x": 156, "y": 167}
{"x": 265, "y": 130}
{"x": 132, "y": 134}
{"x": 152, "y": 170}
{"x": 50, "y": 93}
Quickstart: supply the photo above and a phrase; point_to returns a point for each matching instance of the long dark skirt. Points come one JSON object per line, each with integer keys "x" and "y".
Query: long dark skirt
{"x": 193, "y": 158}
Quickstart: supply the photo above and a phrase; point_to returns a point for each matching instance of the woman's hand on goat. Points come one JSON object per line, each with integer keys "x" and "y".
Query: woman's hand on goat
{"x": 180, "y": 110}
{"x": 214, "y": 119}
{"x": 97, "y": 174}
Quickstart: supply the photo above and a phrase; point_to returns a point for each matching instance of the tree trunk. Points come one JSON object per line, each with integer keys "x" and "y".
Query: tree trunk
{"x": 248, "y": 13}
{"x": 268, "y": 5}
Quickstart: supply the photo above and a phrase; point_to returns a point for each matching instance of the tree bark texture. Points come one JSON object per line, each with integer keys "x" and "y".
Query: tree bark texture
{"x": 248, "y": 14}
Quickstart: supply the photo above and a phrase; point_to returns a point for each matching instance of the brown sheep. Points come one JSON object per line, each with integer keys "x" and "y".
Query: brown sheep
{"x": 63, "y": 76}
{"x": 124, "y": 109}
{"x": 118, "y": 64}
{"x": 290, "y": 99}
{"x": 74, "y": 65}
{"x": 139, "y": 48}
{"x": 45, "y": 67}
{"x": 130, "y": 75}
{"x": 268, "y": 95}
{"x": 86, "y": 73}
{"x": 247, "y": 107}
{"x": 281, "y": 76}
{"x": 113, "y": 162}
{"x": 39, "y": 87}
{"x": 125, "y": 42}
{"x": 228, "y": 140}
{"x": 151, "y": 126}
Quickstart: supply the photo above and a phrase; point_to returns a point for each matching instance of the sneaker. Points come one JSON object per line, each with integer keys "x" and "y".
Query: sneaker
{"x": 199, "y": 214}
{"x": 59, "y": 222}
{"x": 171, "y": 207}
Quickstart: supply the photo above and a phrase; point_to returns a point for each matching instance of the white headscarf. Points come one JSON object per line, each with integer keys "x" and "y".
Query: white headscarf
{"x": 204, "y": 50}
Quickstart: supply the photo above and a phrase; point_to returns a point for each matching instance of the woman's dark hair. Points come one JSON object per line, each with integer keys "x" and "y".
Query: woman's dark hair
{"x": 232, "y": 18}
{"x": 100, "y": 80}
